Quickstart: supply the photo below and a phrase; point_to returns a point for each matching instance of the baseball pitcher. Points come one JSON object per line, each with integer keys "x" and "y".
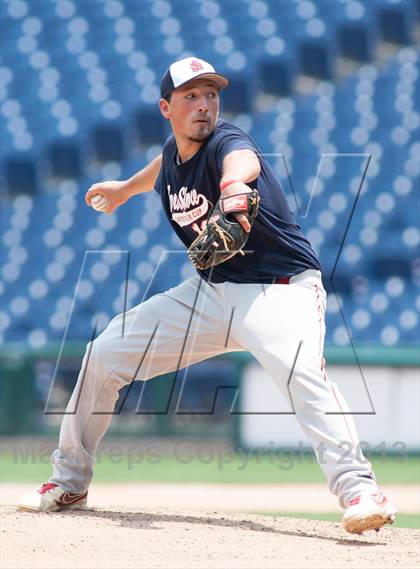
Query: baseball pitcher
{"x": 257, "y": 288}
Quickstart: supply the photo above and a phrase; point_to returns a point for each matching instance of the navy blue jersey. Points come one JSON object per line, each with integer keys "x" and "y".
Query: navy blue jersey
{"x": 276, "y": 246}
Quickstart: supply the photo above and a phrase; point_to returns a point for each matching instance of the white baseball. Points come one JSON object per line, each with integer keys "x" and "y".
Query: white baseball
{"x": 99, "y": 203}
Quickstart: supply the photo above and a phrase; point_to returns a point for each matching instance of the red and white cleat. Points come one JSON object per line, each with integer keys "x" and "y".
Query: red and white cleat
{"x": 51, "y": 498}
{"x": 368, "y": 511}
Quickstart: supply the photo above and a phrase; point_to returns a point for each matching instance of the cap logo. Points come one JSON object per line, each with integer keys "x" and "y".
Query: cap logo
{"x": 196, "y": 65}
{"x": 184, "y": 70}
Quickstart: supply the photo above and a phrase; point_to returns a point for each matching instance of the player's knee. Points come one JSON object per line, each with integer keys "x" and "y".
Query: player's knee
{"x": 97, "y": 356}
{"x": 106, "y": 363}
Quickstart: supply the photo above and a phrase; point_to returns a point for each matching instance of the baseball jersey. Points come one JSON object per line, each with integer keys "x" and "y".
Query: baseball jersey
{"x": 276, "y": 246}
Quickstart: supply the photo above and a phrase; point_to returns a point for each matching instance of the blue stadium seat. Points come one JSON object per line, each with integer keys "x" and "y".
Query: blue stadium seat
{"x": 94, "y": 70}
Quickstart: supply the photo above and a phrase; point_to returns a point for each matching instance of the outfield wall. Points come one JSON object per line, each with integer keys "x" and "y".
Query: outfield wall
{"x": 384, "y": 402}
{"x": 381, "y": 385}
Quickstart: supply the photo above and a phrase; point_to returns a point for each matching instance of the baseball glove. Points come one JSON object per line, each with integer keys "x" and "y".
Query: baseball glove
{"x": 223, "y": 236}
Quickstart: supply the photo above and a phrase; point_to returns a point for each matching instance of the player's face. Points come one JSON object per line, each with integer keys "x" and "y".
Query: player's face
{"x": 193, "y": 110}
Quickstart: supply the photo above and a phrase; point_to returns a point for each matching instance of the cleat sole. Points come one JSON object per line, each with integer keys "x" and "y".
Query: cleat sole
{"x": 82, "y": 505}
{"x": 373, "y": 522}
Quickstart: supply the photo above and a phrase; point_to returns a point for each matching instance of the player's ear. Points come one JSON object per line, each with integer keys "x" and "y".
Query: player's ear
{"x": 164, "y": 108}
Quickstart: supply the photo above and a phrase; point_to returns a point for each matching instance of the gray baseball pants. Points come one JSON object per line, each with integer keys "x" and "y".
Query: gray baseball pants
{"x": 269, "y": 321}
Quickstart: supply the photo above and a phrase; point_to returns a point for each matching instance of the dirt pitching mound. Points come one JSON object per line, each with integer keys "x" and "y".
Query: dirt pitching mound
{"x": 163, "y": 538}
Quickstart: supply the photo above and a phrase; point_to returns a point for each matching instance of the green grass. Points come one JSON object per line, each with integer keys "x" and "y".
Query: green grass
{"x": 411, "y": 521}
{"x": 207, "y": 467}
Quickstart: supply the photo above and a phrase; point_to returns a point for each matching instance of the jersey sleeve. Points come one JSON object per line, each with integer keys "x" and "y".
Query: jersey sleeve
{"x": 158, "y": 184}
{"x": 228, "y": 143}
{"x": 167, "y": 151}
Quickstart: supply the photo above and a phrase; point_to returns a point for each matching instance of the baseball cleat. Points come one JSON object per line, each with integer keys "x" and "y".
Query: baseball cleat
{"x": 51, "y": 498}
{"x": 368, "y": 511}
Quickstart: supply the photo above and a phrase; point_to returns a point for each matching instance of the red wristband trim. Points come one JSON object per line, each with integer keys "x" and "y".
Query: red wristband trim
{"x": 224, "y": 185}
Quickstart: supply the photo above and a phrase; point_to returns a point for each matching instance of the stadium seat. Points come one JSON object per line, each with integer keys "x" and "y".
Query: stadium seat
{"x": 315, "y": 60}
{"x": 150, "y": 125}
{"x": 21, "y": 176}
{"x": 65, "y": 160}
{"x": 355, "y": 43}
{"x": 91, "y": 113}
{"x": 108, "y": 143}
{"x": 275, "y": 77}
{"x": 395, "y": 26}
